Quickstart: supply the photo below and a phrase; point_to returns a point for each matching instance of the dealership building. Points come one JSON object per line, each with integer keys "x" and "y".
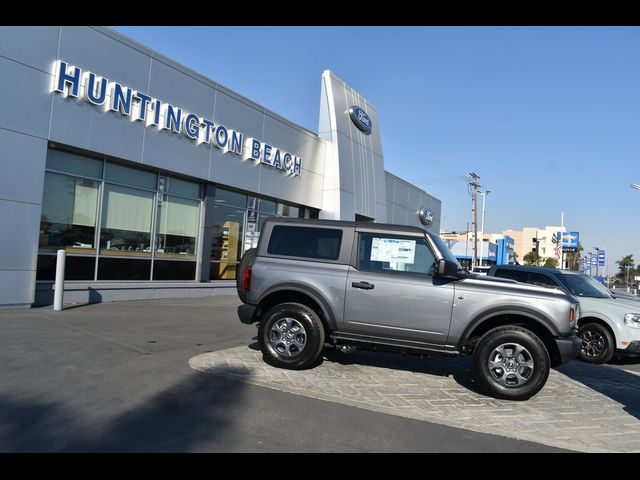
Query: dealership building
{"x": 155, "y": 179}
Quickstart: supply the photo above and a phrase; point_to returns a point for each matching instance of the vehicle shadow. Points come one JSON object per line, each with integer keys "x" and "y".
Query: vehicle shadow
{"x": 615, "y": 383}
{"x": 619, "y": 385}
{"x": 437, "y": 365}
{"x": 625, "y": 360}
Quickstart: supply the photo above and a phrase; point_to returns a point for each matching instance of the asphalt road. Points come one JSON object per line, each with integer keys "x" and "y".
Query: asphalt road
{"x": 114, "y": 377}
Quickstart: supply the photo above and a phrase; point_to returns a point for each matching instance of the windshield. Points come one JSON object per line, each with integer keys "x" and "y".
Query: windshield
{"x": 444, "y": 250}
{"x": 584, "y": 286}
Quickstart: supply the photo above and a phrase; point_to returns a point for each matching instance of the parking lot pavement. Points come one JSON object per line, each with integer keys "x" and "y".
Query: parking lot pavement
{"x": 114, "y": 377}
{"x": 589, "y": 408}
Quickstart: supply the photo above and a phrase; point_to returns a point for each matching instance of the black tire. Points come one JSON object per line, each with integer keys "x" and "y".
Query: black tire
{"x": 598, "y": 345}
{"x": 518, "y": 374}
{"x": 247, "y": 259}
{"x": 279, "y": 354}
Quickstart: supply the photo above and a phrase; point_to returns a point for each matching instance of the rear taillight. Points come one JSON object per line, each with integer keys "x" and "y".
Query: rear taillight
{"x": 246, "y": 278}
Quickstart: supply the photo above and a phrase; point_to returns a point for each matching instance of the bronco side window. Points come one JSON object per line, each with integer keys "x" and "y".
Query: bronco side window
{"x": 309, "y": 242}
{"x": 384, "y": 253}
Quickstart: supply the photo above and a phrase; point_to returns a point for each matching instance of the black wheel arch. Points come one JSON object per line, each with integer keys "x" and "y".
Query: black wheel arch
{"x": 293, "y": 292}
{"x": 590, "y": 319}
{"x": 534, "y": 321}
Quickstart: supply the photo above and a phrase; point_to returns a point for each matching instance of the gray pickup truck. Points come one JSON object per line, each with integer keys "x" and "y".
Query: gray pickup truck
{"x": 312, "y": 284}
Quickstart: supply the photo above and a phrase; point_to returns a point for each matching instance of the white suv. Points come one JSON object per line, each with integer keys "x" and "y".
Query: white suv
{"x": 607, "y": 326}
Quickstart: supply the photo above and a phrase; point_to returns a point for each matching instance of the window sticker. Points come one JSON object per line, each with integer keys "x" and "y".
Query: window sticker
{"x": 393, "y": 250}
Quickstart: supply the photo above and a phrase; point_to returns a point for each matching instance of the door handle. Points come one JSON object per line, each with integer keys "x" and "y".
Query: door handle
{"x": 363, "y": 285}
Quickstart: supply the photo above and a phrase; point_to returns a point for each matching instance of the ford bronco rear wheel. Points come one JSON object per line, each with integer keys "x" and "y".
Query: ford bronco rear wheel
{"x": 291, "y": 335}
{"x": 511, "y": 363}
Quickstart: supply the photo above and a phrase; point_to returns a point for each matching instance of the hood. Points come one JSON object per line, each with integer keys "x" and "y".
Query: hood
{"x": 506, "y": 285}
{"x": 628, "y": 305}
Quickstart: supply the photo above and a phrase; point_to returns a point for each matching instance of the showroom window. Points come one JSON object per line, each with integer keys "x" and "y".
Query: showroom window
{"x": 285, "y": 210}
{"x": 145, "y": 225}
{"x": 68, "y": 218}
{"x": 237, "y": 220}
{"x": 177, "y": 223}
{"x": 229, "y": 212}
{"x": 127, "y": 216}
{"x": 69, "y": 215}
{"x": 177, "y": 228}
{"x": 126, "y": 221}
{"x": 126, "y": 232}
{"x": 61, "y": 161}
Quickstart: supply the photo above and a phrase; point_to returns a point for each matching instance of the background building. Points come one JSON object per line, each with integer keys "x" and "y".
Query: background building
{"x": 154, "y": 178}
{"x": 494, "y": 249}
{"x": 535, "y": 239}
{"x": 505, "y": 248}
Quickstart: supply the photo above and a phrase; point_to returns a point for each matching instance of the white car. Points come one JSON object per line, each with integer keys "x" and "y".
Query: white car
{"x": 481, "y": 269}
{"x": 607, "y": 324}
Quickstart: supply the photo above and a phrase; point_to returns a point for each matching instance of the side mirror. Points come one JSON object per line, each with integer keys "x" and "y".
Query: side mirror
{"x": 446, "y": 268}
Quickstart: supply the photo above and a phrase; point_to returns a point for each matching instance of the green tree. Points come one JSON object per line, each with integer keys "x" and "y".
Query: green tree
{"x": 532, "y": 258}
{"x": 551, "y": 263}
{"x": 625, "y": 265}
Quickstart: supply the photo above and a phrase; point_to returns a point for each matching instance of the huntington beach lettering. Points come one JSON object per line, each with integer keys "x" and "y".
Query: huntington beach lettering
{"x": 72, "y": 81}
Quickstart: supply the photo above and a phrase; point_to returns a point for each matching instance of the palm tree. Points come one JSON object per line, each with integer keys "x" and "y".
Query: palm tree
{"x": 574, "y": 257}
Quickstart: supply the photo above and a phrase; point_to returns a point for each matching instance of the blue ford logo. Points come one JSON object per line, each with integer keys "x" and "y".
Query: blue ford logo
{"x": 426, "y": 216}
{"x": 360, "y": 119}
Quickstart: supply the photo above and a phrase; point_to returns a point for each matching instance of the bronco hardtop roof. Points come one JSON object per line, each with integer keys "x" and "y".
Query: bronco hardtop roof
{"x": 352, "y": 224}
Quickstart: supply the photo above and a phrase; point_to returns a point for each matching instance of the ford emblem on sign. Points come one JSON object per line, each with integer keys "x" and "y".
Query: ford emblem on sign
{"x": 360, "y": 119}
{"x": 426, "y": 216}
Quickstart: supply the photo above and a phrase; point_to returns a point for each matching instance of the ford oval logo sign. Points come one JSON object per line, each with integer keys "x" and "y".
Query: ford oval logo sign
{"x": 426, "y": 216}
{"x": 360, "y": 119}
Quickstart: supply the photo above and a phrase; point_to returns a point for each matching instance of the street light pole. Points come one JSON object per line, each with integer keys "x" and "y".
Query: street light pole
{"x": 606, "y": 259}
{"x": 597, "y": 258}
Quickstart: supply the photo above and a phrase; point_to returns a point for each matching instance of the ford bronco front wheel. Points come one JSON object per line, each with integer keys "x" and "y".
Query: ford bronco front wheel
{"x": 598, "y": 345}
{"x": 510, "y": 363}
{"x": 291, "y": 336}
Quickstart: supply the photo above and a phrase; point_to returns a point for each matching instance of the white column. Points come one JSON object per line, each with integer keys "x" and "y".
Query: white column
{"x": 59, "y": 285}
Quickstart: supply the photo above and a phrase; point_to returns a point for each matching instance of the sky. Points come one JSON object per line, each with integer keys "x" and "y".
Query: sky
{"x": 548, "y": 117}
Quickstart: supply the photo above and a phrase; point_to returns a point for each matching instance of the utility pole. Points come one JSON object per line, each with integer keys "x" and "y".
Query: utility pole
{"x": 484, "y": 198}
{"x": 472, "y": 181}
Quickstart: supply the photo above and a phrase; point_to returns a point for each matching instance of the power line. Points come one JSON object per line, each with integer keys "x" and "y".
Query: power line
{"x": 445, "y": 180}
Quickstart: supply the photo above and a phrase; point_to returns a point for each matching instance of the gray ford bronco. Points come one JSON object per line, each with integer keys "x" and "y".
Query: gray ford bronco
{"x": 312, "y": 284}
